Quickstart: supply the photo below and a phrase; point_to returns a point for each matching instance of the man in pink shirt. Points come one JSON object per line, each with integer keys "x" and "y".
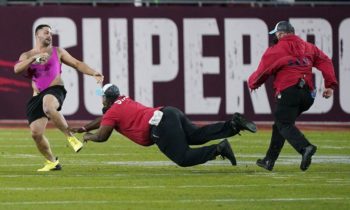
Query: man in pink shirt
{"x": 290, "y": 61}
{"x": 167, "y": 127}
{"x": 43, "y": 65}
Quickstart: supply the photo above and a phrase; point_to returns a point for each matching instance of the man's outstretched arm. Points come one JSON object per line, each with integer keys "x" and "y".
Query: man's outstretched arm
{"x": 93, "y": 125}
{"x": 103, "y": 133}
{"x": 79, "y": 65}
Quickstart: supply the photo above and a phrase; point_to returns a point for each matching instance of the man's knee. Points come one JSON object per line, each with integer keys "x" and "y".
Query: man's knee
{"x": 37, "y": 135}
{"x": 50, "y": 105}
{"x": 288, "y": 130}
{"x": 183, "y": 160}
{"x": 282, "y": 126}
{"x": 183, "y": 163}
{"x": 49, "y": 110}
{"x": 274, "y": 126}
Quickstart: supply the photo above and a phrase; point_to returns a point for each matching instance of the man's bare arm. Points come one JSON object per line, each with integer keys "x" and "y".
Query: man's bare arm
{"x": 95, "y": 124}
{"x": 25, "y": 60}
{"x": 103, "y": 133}
{"x": 79, "y": 65}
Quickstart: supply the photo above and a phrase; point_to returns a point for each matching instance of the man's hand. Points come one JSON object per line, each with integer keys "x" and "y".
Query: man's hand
{"x": 99, "y": 77}
{"x": 77, "y": 130}
{"x": 101, "y": 135}
{"x": 328, "y": 92}
{"x": 41, "y": 58}
{"x": 87, "y": 137}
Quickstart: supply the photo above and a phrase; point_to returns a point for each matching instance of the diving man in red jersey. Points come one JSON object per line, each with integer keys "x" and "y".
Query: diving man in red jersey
{"x": 167, "y": 127}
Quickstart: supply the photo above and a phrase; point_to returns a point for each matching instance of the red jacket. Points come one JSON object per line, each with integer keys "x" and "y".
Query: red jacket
{"x": 130, "y": 118}
{"x": 289, "y": 60}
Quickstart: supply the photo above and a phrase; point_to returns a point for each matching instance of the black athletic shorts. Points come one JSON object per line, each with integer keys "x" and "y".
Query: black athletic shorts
{"x": 35, "y": 105}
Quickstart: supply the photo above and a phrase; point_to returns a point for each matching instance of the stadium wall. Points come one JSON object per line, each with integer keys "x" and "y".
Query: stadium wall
{"x": 194, "y": 58}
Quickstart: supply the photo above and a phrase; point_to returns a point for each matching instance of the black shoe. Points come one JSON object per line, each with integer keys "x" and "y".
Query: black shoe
{"x": 309, "y": 151}
{"x": 224, "y": 149}
{"x": 241, "y": 123}
{"x": 57, "y": 168}
{"x": 265, "y": 163}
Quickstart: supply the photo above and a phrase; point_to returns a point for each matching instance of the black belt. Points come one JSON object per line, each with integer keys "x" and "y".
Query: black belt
{"x": 154, "y": 136}
{"x": 302, "y": 84}
{"x": 153, "y": 133}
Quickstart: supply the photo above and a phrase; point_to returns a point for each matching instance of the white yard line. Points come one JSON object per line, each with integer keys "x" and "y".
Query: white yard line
{"x": 283, "y": 160}
{"x": 254, "y": 155}
{"x": 65, "y": 202}
{"x": 239, "y": 155}
{"x": 55, "y": 146}
{"x": 25, "y": 156}
{"x": 132, "y": 146}
{"x": 162, "y": 187}
{"x": 201, "y": 172}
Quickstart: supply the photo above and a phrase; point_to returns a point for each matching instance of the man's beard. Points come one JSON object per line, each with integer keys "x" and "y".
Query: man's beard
{"x": 46, "y": 43}
{"x": 105, "y": 109}
{"x": 275, "y": 40}
{"x": 107, "y": 106}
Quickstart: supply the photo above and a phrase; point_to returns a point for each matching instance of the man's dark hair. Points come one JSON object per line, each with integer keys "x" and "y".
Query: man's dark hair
{"x": 41, "y": 26}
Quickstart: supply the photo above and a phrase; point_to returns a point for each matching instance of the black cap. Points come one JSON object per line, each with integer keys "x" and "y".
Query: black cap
{"x": 109, "y": 90}
{"x": 283, "y": 26}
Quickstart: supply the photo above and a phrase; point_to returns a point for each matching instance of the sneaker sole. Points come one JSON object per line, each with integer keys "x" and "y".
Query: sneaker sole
{"x": 233, "y": 159}
{"x": 263, "y": 166}
{"x": 251, "y": 127}
{"x": 305, "y": 164}
{"x": 57, "y": 168}
{"x": 233, "y": 162}
{"x": 247, "y": 125}
{"x": 78, "y": 150}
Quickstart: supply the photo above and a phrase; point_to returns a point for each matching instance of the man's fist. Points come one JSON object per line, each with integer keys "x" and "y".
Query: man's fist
{"x": 77, "y": 130}
{"x": 328, "y": 92}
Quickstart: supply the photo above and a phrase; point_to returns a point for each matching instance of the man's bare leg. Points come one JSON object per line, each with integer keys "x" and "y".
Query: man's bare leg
{"x": 37, "y": 129}
{"x": 50, "y": 106}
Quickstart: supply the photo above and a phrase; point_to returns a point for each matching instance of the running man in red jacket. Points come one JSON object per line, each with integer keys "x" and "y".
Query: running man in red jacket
{"x": 290, "y": 61}
{"x": 167, "y": 127}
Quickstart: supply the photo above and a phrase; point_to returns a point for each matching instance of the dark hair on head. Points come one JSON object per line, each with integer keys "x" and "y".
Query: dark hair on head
{"x": 41, "y": 26}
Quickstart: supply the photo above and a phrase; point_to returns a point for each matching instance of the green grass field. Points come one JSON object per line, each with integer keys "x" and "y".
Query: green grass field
{"x": 119, "y": 174}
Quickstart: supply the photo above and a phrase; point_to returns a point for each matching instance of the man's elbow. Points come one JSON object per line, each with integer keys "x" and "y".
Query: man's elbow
{"x": 17, "y": 70}
{"x": 78, "y": 65}
{"x": 102, "y": 138}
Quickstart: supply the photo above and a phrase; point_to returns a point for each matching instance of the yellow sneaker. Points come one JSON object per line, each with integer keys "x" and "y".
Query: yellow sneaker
{"x": 75, "y": 143}
{"x": 51, "y": 166}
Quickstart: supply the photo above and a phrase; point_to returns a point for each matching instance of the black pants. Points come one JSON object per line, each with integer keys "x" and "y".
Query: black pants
{"x": 176, "y": 132}
{"x": 290, "y": 104}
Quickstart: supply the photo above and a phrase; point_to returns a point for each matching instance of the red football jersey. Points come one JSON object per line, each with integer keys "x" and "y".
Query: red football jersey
{"x": 290, "y": 60}
{"x": 130, "y": 118}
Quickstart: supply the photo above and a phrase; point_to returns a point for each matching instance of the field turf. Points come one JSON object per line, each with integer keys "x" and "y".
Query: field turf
{"x": 119, "y": 174}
